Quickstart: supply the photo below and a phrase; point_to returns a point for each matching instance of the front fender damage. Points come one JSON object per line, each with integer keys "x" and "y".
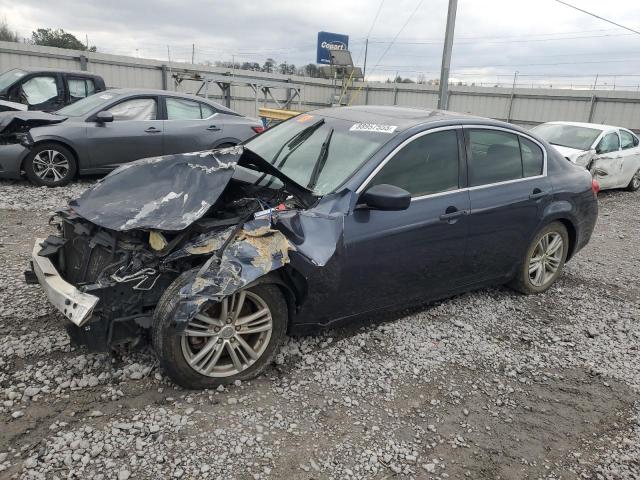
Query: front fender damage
{"x": 256, "y": 250}
{"x": 259, "y": 247}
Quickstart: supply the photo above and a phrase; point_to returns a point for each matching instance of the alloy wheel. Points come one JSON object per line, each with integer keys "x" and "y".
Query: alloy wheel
{"x": 546, "y": 259}
{"x": 50, "y": 166}
{"x": 635, "y": 181}
{"x": 226, "y": 338}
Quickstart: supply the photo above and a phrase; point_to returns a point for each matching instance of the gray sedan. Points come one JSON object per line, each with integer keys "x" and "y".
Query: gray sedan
{"x": 100, "y": 132}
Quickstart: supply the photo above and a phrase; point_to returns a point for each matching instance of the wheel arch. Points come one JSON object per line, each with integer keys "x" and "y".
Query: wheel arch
{"x": 57, "y": 141}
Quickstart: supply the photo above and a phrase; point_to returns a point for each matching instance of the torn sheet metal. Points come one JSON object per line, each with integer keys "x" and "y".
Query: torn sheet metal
{"x": 162, "y": 193}
{"x": 257, "y": 250}
{"x": 171, "y": 192}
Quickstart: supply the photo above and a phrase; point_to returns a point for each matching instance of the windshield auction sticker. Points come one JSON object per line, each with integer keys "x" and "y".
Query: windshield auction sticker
{"x": 373, "y": 127}
{"x": 304, "y": 118}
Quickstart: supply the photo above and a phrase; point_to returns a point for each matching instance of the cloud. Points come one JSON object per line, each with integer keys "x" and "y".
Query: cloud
{"x": 542, "y": 40}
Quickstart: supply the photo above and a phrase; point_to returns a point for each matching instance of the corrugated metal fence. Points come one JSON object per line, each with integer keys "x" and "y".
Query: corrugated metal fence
{"x": 526, "y": 106}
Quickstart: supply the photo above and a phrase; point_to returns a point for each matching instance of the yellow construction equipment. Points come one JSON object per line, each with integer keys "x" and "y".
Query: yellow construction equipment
{"x": 270, "y": 116}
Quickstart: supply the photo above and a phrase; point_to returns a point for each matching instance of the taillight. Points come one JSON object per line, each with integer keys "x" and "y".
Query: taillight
{"x": 595, "y": 186}
{"x": 258, "y": 129}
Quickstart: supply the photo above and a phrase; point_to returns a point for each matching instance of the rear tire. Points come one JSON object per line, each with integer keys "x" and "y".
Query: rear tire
{"x": 223, "y": 344}
{"x": 634, "y": 184}
{"x": 543, "y": 261}
{"x": 50, "y": 164}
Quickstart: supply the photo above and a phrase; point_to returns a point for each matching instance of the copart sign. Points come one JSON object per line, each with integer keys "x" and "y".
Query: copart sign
{"x": 327, "y": 42}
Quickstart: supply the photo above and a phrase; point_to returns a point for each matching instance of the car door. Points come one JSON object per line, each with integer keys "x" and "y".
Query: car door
{"x": 39, "y": 92}
{"x": 508, "y": 191}
{"x": 630, "y": 148}
{"x": 393, "y": 257}
{"x": 136, "y": 132}
{"x": 606, "y": 166}
{"x": 190, "y": 126}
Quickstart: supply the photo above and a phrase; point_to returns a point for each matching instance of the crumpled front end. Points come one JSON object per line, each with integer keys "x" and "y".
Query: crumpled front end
{"x": 124, "y": 241}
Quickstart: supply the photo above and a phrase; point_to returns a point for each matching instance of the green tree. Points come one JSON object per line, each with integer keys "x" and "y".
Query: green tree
{"x": 6, "y": 34}
{"x": 268, "y": 65}
{"x": 58, "y": 38}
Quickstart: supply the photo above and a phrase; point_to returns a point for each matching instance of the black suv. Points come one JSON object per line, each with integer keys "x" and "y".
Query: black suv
{"x": 46, "y": 90}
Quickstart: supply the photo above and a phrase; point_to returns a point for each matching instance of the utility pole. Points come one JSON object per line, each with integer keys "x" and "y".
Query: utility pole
{"x": 443, "y": 95}
{"x": 193, "y": 53}
{"x": 364, "y": 69}
{"x": 595, "y": 82}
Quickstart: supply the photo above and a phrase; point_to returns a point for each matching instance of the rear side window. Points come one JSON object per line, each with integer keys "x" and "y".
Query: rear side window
{"x": 495, "y": 157}
{"x": 81, "y": 87}
{"x": 532, "y": 158}
{"x": 427, "y": 165}
{"x": 182, "y": 109}
{"x": 135, "y": 109}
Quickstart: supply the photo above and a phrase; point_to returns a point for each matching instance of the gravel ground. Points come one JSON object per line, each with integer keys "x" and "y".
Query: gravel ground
{"x": 491, "y": 384}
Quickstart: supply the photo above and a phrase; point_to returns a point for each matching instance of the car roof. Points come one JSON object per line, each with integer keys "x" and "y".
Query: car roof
{"x": 152, "y": 91}
{"x": 595, "y": 126}
{"x": 56, "y": 70}
{"x": 403, "y": 117}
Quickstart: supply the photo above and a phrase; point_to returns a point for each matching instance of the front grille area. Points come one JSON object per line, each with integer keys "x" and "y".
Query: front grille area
{"x": 81, "y": 263}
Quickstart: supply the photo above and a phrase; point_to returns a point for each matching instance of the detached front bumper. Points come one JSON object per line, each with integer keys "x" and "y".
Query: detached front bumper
{"x": 74, "y": 304}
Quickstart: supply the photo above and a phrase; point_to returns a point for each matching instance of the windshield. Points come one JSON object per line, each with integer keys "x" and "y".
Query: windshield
{"x": 86, "y": 105}
{"x": 318, "y": 152}
{"x": 10, "y": 77}
{"x": 571, "y": 136}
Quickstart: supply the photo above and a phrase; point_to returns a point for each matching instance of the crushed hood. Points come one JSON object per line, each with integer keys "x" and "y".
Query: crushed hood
{"x": 168, "y": 193}
{"x": 7, "y": 106}
{"x": 11, "y": 122}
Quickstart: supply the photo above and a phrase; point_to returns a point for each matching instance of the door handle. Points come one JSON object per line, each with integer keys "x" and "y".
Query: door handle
{"x": 152, "y": 130}
{"x": 452, "y": 213}
{"x": 537, "y": 193}
{"x": 213, "y": 128}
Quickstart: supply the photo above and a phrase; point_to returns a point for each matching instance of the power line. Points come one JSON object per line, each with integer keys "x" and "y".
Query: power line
{"x": 397, "y": 35}
{"x": 598, "y": 17}
{"x": 375, "y": 19}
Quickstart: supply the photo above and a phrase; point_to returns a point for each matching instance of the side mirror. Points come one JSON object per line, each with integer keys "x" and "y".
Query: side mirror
{"x": 386, "y": 197}
{"x": 104, "y": 117}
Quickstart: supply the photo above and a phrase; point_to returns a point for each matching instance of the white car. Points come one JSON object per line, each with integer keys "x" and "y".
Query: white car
{"x": 611, "y": 154}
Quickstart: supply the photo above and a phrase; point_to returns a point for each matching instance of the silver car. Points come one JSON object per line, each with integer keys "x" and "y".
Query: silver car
{"x": 100, "y": 132}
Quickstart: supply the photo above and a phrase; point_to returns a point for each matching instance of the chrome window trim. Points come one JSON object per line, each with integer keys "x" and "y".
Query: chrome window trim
{"x": 370, "y": 177}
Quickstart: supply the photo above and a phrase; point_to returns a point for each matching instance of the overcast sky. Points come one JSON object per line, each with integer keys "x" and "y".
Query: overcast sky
{"x": 541, "y": 39}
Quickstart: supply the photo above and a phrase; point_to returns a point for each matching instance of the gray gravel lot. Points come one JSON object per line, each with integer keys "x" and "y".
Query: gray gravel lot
{"x": 491, "y": 384}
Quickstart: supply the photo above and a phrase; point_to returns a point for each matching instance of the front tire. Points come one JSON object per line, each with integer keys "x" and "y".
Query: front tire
{"x": 235, "y": 339}
{"x": 50, "y": 165}
{"x": 543, "y": 261}
{"x": 634, "y": 184}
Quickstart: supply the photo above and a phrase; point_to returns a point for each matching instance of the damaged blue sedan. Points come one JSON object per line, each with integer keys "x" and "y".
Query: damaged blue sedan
{"x": 215, "y": 256}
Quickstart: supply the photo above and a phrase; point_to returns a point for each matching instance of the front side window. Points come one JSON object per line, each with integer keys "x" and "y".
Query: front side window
{"x": 609, "y": 143}
{"x": 38, "y": 90}
{"x": 628, "y": 140}
{"x": 81, "y": 87}
{"x": 495, "y": 157}
{"x": 429, "y": 164}
{"x": 140, "y": 109}
{"x": 86, "y": 105}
